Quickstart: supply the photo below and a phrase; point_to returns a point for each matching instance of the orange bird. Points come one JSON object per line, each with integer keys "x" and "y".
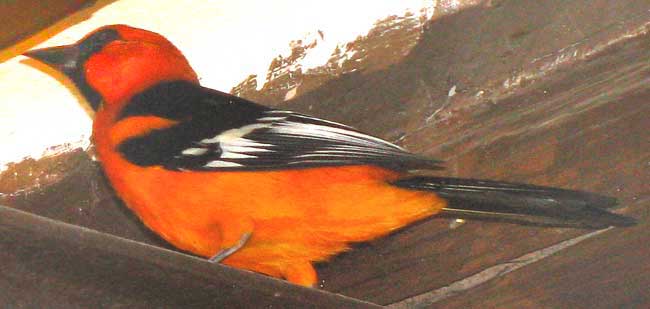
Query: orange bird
{"x": 262, "y": 189}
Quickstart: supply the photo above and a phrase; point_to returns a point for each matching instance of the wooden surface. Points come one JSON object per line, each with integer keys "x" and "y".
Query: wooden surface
{"x": 75, "y": 267}
{"x": 580, "y": 124}
{"x": 599, "y": 140}
{"x": 22, "y": 19}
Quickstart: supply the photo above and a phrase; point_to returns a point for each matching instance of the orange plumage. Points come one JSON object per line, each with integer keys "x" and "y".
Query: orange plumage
{"x": 326, "y": 184}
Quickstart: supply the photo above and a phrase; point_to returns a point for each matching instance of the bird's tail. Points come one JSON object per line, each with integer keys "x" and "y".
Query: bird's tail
{"x": 519, "y": 203}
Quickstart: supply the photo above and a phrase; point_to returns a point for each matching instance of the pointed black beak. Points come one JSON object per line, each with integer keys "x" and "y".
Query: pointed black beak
{"x": 62, "y": 58}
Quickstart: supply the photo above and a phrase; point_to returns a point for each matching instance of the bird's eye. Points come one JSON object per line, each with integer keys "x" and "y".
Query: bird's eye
{"x": 96, "y": 41}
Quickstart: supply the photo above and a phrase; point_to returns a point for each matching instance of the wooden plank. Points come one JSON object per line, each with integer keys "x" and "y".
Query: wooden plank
{"x": 21, "y": 19}
{"x": 48, "y": 264}
{"x": 608, "y": 148}
{"x": 608, "y": 271}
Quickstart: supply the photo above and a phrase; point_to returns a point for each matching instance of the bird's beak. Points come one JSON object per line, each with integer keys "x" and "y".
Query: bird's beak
{"x": 62, "y": 58}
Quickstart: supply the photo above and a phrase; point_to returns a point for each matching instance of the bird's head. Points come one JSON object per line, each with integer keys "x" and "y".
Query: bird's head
{"x": 114, "y": 62}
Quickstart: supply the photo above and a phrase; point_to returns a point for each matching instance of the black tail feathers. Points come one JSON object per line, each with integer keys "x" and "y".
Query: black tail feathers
{"x": 519, "y": 203}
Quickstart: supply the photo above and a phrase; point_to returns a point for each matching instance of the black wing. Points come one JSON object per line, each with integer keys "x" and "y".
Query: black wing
{"x": 218, "y": 131}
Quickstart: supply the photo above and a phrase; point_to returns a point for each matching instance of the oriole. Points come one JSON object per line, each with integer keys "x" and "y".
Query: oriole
{"x": 262, "y": 189}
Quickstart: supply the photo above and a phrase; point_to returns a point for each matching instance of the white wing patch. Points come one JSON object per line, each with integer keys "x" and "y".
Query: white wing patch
{"x": 194, "y": 151}
{"x": 234, "y": 134}
{"x": 331, "y": 133}
{"x": 234, "y": 146}
{"x": 283, "y": 138}
{"x": 218, "y": 163}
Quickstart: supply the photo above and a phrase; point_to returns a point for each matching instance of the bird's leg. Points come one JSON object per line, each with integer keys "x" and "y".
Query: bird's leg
{"x": 226, "y": 252}
{"x": 235, "y": 230}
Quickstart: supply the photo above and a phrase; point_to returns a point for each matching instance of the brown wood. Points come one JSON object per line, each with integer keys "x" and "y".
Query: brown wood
{"x": 582, "y": 125}
{"x": 24, "y": 18}
{"x": 605, "y": 147}
{"x": 47, "y": 264}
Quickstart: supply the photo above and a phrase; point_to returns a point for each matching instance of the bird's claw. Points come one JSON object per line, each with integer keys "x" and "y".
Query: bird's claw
{"x": 226, "y": 252}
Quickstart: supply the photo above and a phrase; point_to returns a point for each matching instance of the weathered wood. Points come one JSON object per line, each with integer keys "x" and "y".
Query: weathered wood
{"x": 23, "y": 18}
{"x": 47, "y": 264}
{"x": 583, "y": 126}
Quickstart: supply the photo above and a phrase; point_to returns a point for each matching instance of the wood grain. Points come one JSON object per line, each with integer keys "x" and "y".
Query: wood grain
{"x": 24, "y": 18}
{"x": 580, "y": 125}
{"x": 74, "y": 267}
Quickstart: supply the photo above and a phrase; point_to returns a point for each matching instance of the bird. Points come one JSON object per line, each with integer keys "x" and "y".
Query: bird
{"x": 269, "y": 190}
